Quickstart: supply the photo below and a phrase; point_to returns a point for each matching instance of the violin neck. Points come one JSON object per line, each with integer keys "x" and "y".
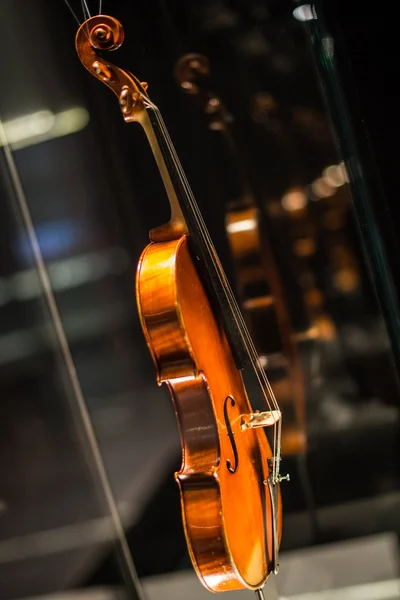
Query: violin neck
{"x": 150, "y": 120}
{"x": 186, "y": 219}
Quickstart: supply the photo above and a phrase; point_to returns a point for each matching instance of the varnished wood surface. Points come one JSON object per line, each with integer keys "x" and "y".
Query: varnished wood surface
{"x": 226, "y": 515}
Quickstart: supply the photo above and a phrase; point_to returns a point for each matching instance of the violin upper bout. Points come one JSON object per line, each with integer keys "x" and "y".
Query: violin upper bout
{"x": 159, "y": 311}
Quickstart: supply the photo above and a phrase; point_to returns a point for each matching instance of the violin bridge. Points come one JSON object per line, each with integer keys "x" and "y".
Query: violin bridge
{"x": 260, "y": 419}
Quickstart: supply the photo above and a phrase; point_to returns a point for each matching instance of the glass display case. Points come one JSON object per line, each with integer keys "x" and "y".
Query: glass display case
{"x": 257, "y": 96}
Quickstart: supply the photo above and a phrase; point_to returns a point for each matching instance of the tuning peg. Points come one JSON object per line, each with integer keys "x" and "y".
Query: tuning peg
{"x": 144, "y": 85}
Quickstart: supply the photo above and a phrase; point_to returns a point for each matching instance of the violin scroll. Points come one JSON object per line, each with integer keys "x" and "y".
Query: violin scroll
{"x": 191, "y": 72}
{"x": 103, "y": 32}
{"x": 189, "y": 69}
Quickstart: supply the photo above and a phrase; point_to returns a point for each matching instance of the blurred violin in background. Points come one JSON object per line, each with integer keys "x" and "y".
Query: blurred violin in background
{"x": 258, "y": 280}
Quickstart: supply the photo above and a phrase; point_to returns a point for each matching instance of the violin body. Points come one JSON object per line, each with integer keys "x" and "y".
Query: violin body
{"x": 226, "y": 505}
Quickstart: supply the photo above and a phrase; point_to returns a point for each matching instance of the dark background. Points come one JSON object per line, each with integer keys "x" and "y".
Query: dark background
{"x": 96, "y": 193}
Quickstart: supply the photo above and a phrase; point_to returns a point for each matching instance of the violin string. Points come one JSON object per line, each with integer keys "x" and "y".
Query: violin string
{"x": 213, "y": 255}
{"x": 258, "y": 369}
{"x": 261, "y": 375}
{"x": 100, "y": 6}
{"x": 205, "y": 234}
{"x": 73, "y": 12}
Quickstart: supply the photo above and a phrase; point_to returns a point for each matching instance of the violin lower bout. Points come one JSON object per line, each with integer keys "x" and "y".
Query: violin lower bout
{"x": 226, "y": 507}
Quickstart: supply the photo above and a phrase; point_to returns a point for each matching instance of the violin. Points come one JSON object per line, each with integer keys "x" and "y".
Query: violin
{"x": 230, "y": 478}
{"x": 298, "y": 218}
{"x": 259, "y": 285}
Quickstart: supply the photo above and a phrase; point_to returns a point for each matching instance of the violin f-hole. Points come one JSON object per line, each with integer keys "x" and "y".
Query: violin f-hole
{"x": 231, "y": 469}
